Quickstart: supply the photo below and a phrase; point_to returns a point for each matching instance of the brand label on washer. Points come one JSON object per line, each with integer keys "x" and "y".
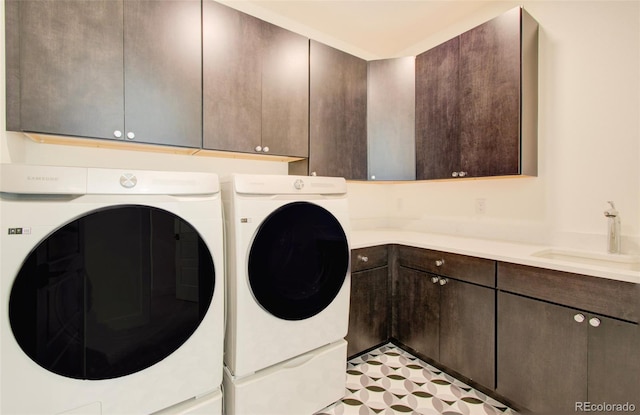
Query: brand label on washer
{"x": 19, "y": 231}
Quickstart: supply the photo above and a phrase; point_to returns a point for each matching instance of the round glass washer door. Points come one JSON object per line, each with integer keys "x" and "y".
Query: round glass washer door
{"x": 111, "y": 293}
{"x": 298, "y": 261}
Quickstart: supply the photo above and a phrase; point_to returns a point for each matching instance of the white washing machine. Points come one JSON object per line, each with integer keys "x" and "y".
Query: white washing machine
{"x": 288, "y": 284}
{"x": 112, "y": 291}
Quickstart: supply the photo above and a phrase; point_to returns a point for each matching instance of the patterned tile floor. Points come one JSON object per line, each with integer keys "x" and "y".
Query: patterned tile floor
{"x": 389, "y": 381}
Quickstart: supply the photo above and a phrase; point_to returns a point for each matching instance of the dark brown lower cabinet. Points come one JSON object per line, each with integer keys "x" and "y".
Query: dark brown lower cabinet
{"x": 542, "y": 354}
{"x": 546, "y": 341}
{"x": 552, "y": 358}
{"x": 416, "y": 312}
{"x": 449, "y": 321}
{"x": 369, "y": 311}
{"x": 614, "y": 362}
{"x": 467, "y": 327}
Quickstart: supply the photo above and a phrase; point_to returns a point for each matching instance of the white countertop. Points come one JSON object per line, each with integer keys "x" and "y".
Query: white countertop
{"x": 513, "y": 252}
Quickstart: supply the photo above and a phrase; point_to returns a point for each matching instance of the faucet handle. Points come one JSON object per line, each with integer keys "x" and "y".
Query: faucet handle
{"x": 612, "y": 212}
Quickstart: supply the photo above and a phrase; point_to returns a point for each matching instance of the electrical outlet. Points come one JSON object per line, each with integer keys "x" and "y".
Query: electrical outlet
{"x": 481, "y": 206}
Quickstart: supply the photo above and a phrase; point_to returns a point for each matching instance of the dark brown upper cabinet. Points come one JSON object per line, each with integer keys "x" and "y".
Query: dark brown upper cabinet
{"x": 255, "y": 86}
{"x": 337, "y": 115}
{"x": 103, "y": 69}
{"x": 391, "y": 119}
{"x": 476, "y": 102}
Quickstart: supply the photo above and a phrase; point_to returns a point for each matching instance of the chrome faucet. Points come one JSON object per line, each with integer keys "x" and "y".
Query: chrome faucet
{"x": 613, "y": 233}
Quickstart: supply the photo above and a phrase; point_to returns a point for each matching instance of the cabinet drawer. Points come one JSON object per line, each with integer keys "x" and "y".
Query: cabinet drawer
{"x": 466, "y": 268}
{"x": 368, "y": 258}
{"x": 599, "y": 295}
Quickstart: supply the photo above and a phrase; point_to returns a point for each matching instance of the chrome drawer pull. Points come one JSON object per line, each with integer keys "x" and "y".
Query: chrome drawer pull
{"x": 363, "y": 258}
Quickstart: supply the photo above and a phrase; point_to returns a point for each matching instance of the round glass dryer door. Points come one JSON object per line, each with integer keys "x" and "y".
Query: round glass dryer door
{"x": 298, "y": 261}
{"x": 111, "y": 293}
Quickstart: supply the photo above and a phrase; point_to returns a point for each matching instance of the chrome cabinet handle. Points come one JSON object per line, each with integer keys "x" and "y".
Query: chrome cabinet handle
{"x": 579, "y": 318}
{"x": 439, "y": 262}
{"x": 131, "y": 135}
{"x": 440, "y": 280}
{"x": 462, "y": 173}
{"x": 258, "y": 149}
{"x": 117, "y": 134}
{"x": 265, "y": 149}
{"x": 459, "y": 174}
{"x": 363, "y": 258}
{"x": 594, "y": 321}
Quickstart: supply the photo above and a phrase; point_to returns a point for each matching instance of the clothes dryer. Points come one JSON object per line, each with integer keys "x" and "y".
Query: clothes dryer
{"x": 288, "y": 292}
{"x": 111, "y": 286}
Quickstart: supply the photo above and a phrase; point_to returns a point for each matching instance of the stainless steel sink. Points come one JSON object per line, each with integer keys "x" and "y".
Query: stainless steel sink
{"x": 615, "y": 261}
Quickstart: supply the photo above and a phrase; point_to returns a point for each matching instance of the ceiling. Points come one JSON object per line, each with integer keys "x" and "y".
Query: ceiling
{"x": 371, "y": 29}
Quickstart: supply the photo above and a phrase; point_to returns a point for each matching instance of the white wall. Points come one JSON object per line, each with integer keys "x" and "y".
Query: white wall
{"x": 589, "y": 135}
{"x": 589, "y": 142}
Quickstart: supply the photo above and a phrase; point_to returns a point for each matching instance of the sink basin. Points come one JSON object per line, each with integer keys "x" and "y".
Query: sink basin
{"x": 615, "y": 261}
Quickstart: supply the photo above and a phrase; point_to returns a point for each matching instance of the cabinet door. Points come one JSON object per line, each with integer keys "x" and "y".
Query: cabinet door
{"x": 476, "y": 102}
{"x": 391, "y": 119}
{"x": 285, "y": 92}
{"x": 369, "y": 311}
{"x": 467, "y": 330}
{"x": 416, "y": 312}
{"x": 256, "y": 84}
{"x": 438, "y": 111}
{"x": 163, "y": 71}
{"x": 542, "y": 354}
{"x": 232, "y": 79}
{"x": 490, "y": 97}
{"x": 337, "y": 113}
{"x": 614, "y": 361}
{"x": 64, "y": 67}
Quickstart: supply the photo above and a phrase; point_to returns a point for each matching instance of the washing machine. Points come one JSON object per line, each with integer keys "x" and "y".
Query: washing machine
{"x": 112, "y": 291}
{"x": 288, "y": 285}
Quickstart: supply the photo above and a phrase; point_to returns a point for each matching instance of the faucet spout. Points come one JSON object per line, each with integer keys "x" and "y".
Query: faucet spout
{"x": 613, "y": 229}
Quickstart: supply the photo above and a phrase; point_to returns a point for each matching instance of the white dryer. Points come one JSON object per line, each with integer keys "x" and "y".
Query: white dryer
{"x": 288, "y": 284}
{"x": 112, "y": 291}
